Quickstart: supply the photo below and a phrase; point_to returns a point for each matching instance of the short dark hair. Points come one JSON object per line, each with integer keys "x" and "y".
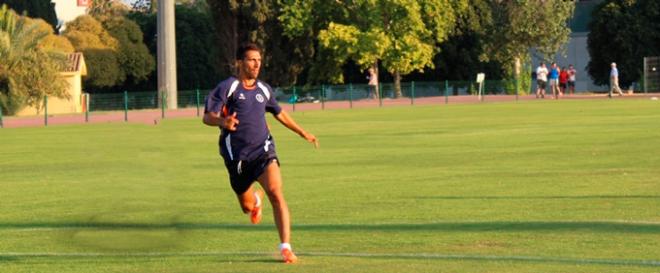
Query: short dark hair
{"x": 245, "y": 47}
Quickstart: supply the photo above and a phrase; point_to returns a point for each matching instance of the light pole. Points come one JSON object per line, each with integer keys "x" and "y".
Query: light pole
{"x": 167, "y": 53}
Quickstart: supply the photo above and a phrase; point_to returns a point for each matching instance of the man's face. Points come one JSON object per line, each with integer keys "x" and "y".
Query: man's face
{"x": 251, "y": 64}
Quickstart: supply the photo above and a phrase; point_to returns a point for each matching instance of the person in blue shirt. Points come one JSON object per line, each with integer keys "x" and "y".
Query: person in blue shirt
{"x": 238, "y": 106}
{"x": 614, "y": 81}
{"x": 554, "y": 80}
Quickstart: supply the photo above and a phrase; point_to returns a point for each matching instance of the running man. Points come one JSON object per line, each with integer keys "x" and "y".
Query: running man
{"x": 238, "y": 106}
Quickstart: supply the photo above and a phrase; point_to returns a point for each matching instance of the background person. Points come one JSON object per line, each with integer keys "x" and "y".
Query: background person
{"x": 614, "y": 80}
{"x": 553, "y": 76}
{"x": 563, "y": 80}
{"x": 541, "y": 80}
{"x": 571, "y": 78}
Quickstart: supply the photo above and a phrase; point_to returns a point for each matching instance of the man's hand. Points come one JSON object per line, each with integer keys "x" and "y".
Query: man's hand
{"x": 311, "y": 139}
{"x": 230, "y": 122}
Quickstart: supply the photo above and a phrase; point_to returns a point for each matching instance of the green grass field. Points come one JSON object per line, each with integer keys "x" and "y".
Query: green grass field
{"x": 537, "y": 186}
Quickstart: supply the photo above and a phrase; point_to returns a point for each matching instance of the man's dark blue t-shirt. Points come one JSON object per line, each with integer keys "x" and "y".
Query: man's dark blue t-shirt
{"x": 252, "y": 137}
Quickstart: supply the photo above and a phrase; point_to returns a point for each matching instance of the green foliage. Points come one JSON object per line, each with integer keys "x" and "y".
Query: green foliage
{"x": 28, "y": 71}
{"x": 400, "y": 34}
{"x": 35, "y": 9}
{"x": 257, "y": 21}
{"x": 514, "y": 27}
{"x": 196, "y": 40}
{"x": 135, "y": 61}
{"x": 197, "y": 53}
{"x": 623, "y": 32}
{"x": 107, "y": 8}
{"x": 99, "y": 48}
{"x": 114, "y": 50}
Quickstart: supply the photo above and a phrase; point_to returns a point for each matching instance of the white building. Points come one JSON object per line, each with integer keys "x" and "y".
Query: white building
{"x": 67, "y": 10}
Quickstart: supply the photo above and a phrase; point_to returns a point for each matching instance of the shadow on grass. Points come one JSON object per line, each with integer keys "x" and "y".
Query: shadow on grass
{"x": 491, "y": 258}
{"x": 7, "y": 259}
{"x": 494, "y": 226}
{"x": 264, "y": 257}
{"x": 541, "y": 197}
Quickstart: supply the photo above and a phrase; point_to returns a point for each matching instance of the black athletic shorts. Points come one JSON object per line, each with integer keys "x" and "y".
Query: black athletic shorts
{"x": 242, "y": 173}
{"x": 541, "y": 84}
{"x": 571, "y": 83}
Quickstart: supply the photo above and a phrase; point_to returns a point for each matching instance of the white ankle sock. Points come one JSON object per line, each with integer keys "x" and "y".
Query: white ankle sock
{"x": 258, "y": 202}
{"x": 285, "y": 246}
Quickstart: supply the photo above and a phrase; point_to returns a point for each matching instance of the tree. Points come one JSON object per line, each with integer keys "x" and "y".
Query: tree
{"x": 257, "y": 21}
{"x": 109, "y": 8}
{"x": 464, "y": 46}
{"x": 135, "y": 61}
{"x": 28, "y": 70}
{"x": 114, "y": 50}
{"x": 623, "y": 32}
{"x": 400, "y": 34}
{"x": 35, "y": 9}
{"x": 518, "y": 26}
{"x": 99, "y": 48}
{"x": 197, "y": 49}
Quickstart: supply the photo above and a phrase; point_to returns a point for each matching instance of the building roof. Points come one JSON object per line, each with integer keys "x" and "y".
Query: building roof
{"x": 75, "y": 64}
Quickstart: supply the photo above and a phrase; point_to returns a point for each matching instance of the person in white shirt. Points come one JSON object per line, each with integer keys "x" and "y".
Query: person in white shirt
{"x": 541, "y": 80}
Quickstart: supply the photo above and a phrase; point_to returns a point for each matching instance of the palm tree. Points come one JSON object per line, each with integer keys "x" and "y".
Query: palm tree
{"x": 27, "y": 72}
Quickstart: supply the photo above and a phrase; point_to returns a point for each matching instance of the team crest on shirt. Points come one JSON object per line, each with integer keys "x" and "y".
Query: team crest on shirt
{"x": 259, "y": 98}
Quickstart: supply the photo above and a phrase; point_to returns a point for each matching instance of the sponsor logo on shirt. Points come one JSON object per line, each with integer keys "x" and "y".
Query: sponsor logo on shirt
{"x": 241, "y": 96}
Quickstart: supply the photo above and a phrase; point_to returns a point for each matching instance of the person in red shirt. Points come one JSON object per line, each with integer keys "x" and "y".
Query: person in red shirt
{"x": 563, "y": 80}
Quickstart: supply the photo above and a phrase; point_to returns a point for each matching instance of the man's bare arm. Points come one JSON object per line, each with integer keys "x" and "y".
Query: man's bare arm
{"x": 286, "y": 120}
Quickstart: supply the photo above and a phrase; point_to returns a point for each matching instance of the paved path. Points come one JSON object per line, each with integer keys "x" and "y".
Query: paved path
{"x": 153, "y": 117}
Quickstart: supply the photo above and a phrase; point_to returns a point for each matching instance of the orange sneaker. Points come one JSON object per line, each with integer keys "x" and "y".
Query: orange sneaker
{"x": 255, "y": 214}
{"x": 288, "y": 256}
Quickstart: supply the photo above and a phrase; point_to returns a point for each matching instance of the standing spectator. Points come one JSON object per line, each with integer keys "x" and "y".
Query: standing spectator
{"x": 373, "y": 83}
{"x": 563, "y": 80}
{"x": 541, "y": 80}
{"x": 614, "y": 81}
{"x": 554, "y": 80}
{"x": 571, "y": 78}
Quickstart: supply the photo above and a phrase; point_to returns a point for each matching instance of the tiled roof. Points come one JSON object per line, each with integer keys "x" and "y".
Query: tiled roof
{"x": 75, "y": 63}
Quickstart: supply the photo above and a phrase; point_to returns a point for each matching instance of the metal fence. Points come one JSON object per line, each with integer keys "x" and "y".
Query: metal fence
{"x": 139, "y": 103}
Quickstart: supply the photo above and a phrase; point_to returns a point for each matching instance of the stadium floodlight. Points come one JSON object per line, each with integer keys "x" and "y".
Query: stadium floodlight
{"x": 651, "y": 74}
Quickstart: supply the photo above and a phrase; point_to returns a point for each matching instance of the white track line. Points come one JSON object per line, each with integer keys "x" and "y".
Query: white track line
{"x": 492, "y": 258}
